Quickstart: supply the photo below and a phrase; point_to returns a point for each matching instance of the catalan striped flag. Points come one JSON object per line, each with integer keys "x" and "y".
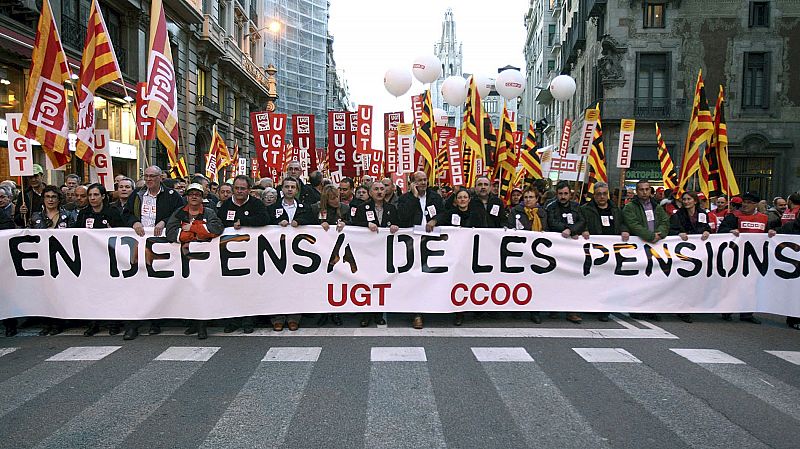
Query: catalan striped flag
{"x": 161, "y": 89}
{"x": 472, "y": 133}
{"x": 426, "y": 133}
{"x": 235, "y": 161}
{"x": 507, "y": 156}
{"x": 46, "y": 118}
{"x": 489, "y": 144}
{"x": 701, "y": 127}
{"x": 529, "y": 158}
{"x": 597, "y": 156}
{"x": 668, "y": 174}
{"x": 218, "y": 156}
{"x": 99, "y": 66}
{"x": 728, "y": 184}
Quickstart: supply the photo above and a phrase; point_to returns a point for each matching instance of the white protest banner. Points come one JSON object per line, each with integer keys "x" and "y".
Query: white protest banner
{"x": 114, "y": 274}
{"x": 20, "y": 155}
{"x": 569, "y": 167}
{"x": 102, "y": 172}
{"x": 625, "y": 150}
{"x": 405, "y": 145}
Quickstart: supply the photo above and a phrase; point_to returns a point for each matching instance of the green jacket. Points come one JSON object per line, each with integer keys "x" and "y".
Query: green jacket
{"x": 636, "y": 221}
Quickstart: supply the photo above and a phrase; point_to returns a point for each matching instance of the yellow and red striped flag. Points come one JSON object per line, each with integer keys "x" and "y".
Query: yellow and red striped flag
{"x": 701, "y": 127}
{"x": 218, "y": 156}
{"x": 597, "y": 156}
{"x": 162, "y": 92}
{"x": 472, "y": 134}
{"x": 728, "y": 185}
{"x": 46, "y": 119}
{"x": 507, "y": 157}
{"x": 99, "y": 66}
{"x": 668, "y": 174}
{"x": 426, "y": 134}
{"x": 529, "y": 158}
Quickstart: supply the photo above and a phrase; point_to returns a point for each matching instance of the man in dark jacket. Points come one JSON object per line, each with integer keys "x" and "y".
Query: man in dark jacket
{"x": 603, "y": 218}
{"x": 564, "y": 216}
{"x": 288, "y": 210}
{"x": 241, "y": 209}
{"x": 495, "y": 210}
{"x": 420, "y": 205}
{"x": 31, "y": 199}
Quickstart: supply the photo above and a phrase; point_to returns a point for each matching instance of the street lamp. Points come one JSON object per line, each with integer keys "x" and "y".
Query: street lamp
{"x": 274, "y": 27}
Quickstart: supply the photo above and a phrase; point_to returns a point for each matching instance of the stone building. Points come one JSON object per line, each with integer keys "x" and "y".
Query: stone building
{"x": 449, "y": 50}
{"x": 640, "y": 58}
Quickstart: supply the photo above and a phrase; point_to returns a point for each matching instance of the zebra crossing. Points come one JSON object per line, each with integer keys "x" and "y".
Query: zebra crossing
{"x": 408, "y": 399}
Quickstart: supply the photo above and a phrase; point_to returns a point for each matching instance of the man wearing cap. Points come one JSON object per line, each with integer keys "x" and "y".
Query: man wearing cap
{"x": 745, "y": 220}
{"x": 194, "y": 223}
{"x": 31, "y": 200}
{"x": 150, "y": 207}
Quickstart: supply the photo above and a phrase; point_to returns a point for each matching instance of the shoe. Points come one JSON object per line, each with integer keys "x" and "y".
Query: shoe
{"x": 337, "y": 319}
{"x": 553, "y": 315}
{"x": 113, "y": 329}
{"x": 202, "y": 333}
{"x": 11, "y": 331}
{"x": 727, "y": 316}
{"x": 55, "y": 330}
{"x": 459, "y": 319}
{"x": 192, "y": 329}
{"x": 685, "y": 317}
{"x": 574, "y": 317}
{"x": 364, "y": 322}
{"x": 230, "y": 327}
{"x": 417, "y": 322}
{"x": 536, "y": 318}
{"x": 45, "y": 331}
{"x": 248, "y": 329}
{"x": 750, "y": 319}
{"x": 603, "y": 317}
{"x": 323, "y": 319}
{"x": 93, "y": 329}
{"x": 130, "y": 334}
{"x": 277, "y": 327}
{"x": 293, "y": 326}
{"x": 381, "y": 322}
{"x": 155, "y": 329}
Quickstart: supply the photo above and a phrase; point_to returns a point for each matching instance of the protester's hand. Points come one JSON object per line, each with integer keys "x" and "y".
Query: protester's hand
{"x": 295, "y": 223}
{"x": 735, "y": 232}
{"x": 138, "y": 229}
{"x": 430, "y": 225}
{"x": 585, "y": 235}
{"x": 159, "y": 229}
{"x": 684, "y": 237}
{"x": 373, "y": 227}
{"x": 325, "y": 226}
{"x": 23, "y": 209}
{"x": 186, "y": 227}
{"x": 626, "y": 236}
{"x": 339, "y": 226}
{"x": 393, "y": 228}
{"x": 284, "y": 223}
{"x": 771, "y": 233}
{"x": 705, "y": 235}
{"x": 237, "y": 224}
{"x": 656, "y": 237}
{"x": 566, "y": 233}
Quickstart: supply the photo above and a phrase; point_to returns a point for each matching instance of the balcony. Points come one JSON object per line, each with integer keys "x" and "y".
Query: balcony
{"x": 208, "y": 106}
{"x": 645, "y": 109}
{"x": 212, "y": 35}
{"x": 235, "y": 58}
{"x": 73, "y": 33}
{"x": 190, "y": 11}
{"x": 595, "y": 8}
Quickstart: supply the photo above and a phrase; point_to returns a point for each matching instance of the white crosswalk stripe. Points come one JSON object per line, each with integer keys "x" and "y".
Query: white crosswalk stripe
{"x": 298, "y": 354}
{"x": 18, "y": 390}
{"x": 6, "y": 351}
{"x": 80, "y": 353}
{"x": 502, "y": 355}
{"x": 706, "y": 356}
{"x": 789, "y": 356}
{"x": 606, "y": 355}
{"x": 188, "y": 353}
{"x": 398, "y": 354}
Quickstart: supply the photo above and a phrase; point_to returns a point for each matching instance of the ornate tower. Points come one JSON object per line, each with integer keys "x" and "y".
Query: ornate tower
{"x": 448, "y": 50}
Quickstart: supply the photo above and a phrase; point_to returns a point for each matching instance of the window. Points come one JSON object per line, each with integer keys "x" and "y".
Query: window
{"x": 551, "y": 65}
{"x": 755, "y": 92}
{"x": 652, "y": 84}
{"x": 551, "y": 34}
{"x": 601, "y": 26}
{"x": 202, "y": 82}
{"x": 654, "y": 15}
{"x": 759, "y": 14}
{"x": 223, "y": 99}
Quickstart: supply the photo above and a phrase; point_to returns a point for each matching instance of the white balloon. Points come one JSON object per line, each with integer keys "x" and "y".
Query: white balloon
{"x": 427, "y": 69}
{"x": 562, "y": 88}
{"x": 485, "y": 85}
{"x": 440, "y": 117}
{"x": 397, "y": 81}
{"x": 454, "y": 90}
{"x": 510, "y": 84}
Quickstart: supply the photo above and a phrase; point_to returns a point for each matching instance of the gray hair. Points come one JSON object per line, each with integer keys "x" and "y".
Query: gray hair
{"x": 157, "y": 169}
{"x": 601, "y": 184}
{"x": 6, "y": 191}
{"x": 267, "y": 191}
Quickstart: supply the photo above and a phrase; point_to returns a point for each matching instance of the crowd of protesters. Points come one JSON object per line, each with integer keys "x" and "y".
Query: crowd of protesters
{"x": 194, "y": 209}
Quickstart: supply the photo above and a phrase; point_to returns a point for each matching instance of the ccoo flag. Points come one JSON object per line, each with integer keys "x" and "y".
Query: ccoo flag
{"x": 46, "y": 119}
{"x": 99, "y": 66}
{"x": 161, "y": 89}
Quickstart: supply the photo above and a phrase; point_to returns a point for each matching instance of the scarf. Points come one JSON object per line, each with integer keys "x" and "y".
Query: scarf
{"x": 533, "y": 218}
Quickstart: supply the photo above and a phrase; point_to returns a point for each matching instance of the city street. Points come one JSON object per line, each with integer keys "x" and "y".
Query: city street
{"x": 496, "y": 382}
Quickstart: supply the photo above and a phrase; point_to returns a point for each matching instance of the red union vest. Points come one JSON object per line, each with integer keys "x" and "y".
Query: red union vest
{"x": 751, "y": 223}
{"x": 789, "y": 215}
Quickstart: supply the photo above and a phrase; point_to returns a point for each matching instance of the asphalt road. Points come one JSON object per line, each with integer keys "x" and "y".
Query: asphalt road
{"x": 494, "y": 382}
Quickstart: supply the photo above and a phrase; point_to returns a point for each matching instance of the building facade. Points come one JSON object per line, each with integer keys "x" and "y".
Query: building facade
{"x": 640, "y": 58}
{"x": 449, "y": 52}
{"x": 337, "y": 92}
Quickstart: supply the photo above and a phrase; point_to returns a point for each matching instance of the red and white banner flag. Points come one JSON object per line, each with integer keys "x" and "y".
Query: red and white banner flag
{"x": 101, "y": 169}
{"x": 625, "y": 150}
{"x": 590, "y": 119}
{"x": 364, "y": 123}
{"x": 20, "y": 154}
{"x": 304, "y": 137}
{"x": 417, "y": 102}
{"x": 338, "y": 139}
{"x": 46, "y": 119}
{"x": 145, "y": 126}
{"x": 456, "y": 171}
{"x": 269, "y": 132}
{"x": 563, "y": 148}
{"x": 405, "y": 145}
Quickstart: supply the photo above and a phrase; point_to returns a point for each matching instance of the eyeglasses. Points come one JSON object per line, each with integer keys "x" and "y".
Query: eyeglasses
{"x": 146, "y": 176}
